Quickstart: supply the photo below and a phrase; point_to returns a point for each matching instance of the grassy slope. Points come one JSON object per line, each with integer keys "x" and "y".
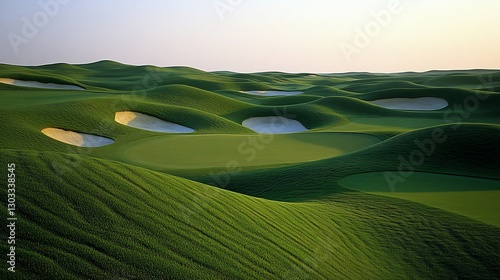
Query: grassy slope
{"x": 110, "y": 220}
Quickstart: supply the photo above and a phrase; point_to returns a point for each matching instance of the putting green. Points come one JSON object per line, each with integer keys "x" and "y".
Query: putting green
{"x": 208, "y": 151}
{"x": 475, "y": 198}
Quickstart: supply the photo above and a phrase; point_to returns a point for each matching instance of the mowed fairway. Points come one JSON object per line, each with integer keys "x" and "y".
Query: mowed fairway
{"x": 476, "y": 198}
{"x": 203, "y": 151}
{"x": 384, "y": 123}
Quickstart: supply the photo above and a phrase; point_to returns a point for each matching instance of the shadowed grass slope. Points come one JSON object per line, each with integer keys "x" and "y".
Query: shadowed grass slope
{"x": 109, "y": 221}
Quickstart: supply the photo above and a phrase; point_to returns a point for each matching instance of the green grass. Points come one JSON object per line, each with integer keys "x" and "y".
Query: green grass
{"x": 401, "y": 124}
{"x": 475, "y": 198}
{"x": 460, "y": 154}
{"x": 88, "y": 218}
{"x": 227, "y": 203}
{"x": 193, "y": 151}
{"x": 25, "y": 98}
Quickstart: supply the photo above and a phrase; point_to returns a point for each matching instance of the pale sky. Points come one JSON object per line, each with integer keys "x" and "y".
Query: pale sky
{"x": 255, "y": 35}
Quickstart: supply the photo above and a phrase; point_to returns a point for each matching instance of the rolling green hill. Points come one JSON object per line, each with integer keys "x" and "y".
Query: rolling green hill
{"x": 367, "y": 192}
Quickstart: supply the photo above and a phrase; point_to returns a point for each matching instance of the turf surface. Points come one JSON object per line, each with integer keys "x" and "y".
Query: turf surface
{"x": 203, "y": 151}
{"x": 227, "y": 203}
{"x": 476, "y": 198}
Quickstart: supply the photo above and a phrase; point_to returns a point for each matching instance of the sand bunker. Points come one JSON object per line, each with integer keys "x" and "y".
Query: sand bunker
{"x": 38, "y": 84}
{"x": 273, "y": 125}
{"x": 77, "y": 139}
{"x": 272, "y": 92}
{"x": 146, "y": 122}
{"x": 416, "y": 104}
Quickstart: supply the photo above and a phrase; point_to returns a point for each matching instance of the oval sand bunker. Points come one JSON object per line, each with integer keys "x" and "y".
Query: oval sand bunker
{"x": 273, "y": 125}
{"x": 146, "y": 122}
{"x": 414, "y": 104}
{"x": 76, "y": 138}
{"x": 38, "y": 84}
{"x": 272, "y": 92}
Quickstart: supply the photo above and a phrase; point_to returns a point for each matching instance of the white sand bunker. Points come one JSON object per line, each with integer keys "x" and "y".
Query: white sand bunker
{"x": 76, "y": 138}
{"x": 416, "y": 104}
{"x": 272, "y": 92}
{"x": 38, "y": 84}
{"x": 146, "y": 122}
{"x": 273, "y": 125}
